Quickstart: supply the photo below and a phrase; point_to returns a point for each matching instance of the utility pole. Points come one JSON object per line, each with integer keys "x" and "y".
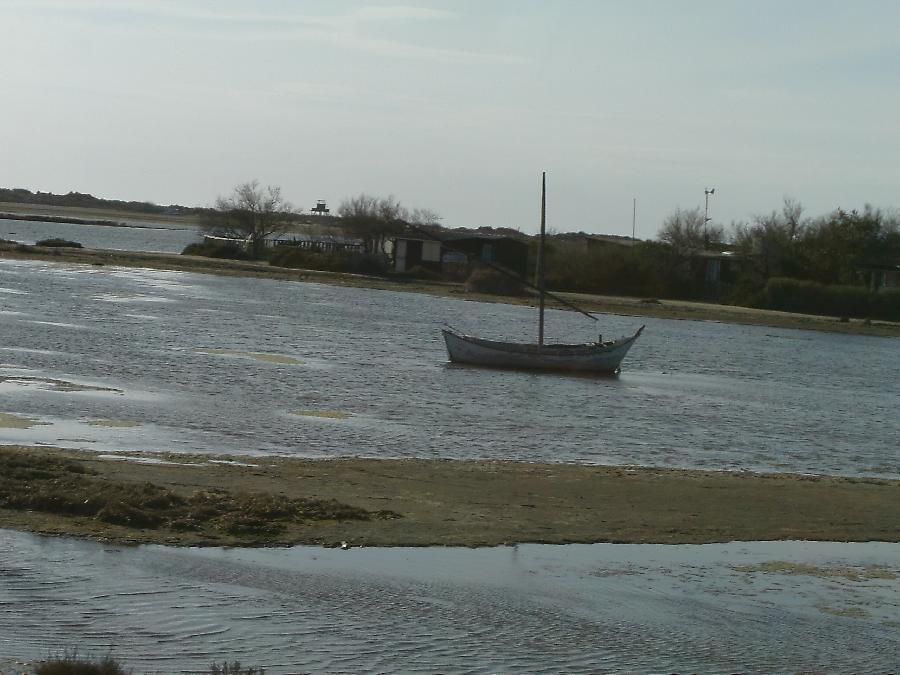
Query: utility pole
{"x": 707, "y": 192}
{"x": 540, "y": 264}
{"x": 633, "y": 218}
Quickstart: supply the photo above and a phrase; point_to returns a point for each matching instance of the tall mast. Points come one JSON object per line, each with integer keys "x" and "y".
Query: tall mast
{"x": 540, "y": 258}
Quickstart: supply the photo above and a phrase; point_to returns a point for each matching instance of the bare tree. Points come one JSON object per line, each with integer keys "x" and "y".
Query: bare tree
{"x": 377, "y": 219}
{"x": 251, "y": 213}
{"x": 771, "y": 241}
{"x": 688, "y": 232}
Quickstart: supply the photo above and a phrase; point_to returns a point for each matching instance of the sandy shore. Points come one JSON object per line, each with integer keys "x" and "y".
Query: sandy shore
{"x": 483, "y": 503}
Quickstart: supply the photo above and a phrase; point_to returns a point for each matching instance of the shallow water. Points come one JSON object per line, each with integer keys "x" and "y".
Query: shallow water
{"x": 138, "y": 236}
{"x": 634, "y": 608}
{"x": 249, "y": 366}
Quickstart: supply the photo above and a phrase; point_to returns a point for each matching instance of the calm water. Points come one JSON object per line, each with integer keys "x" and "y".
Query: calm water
{"x": 246, "y": 366}
{"x": 751, "y": 607}
{"x": 140, "y": 236}
{"x": 179, "y": 354}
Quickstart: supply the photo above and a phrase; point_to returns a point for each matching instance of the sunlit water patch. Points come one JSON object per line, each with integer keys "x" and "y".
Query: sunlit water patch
{"x": 640, "y": 608}
{"x": 129, "y": 298}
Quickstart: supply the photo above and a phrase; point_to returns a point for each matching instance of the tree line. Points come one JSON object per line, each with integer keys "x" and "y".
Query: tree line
{"x": 781, "y": 260}
{"x": 85, "y": 200}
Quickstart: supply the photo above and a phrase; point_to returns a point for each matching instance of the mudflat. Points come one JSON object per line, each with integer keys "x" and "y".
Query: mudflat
{"x": 234, "y": 501}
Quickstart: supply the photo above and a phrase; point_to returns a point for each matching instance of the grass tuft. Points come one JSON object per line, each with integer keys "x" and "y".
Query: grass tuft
{"x": 30, "y": 482}
{"x": 72, "y": 664}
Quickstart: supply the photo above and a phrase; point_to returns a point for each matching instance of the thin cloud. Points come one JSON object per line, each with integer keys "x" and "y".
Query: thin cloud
{"x": 399, "y": 13}
{"x": 348, "y": 31}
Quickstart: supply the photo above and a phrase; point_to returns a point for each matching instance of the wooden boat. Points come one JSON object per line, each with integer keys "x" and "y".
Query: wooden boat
{"x": 595, "y": 357}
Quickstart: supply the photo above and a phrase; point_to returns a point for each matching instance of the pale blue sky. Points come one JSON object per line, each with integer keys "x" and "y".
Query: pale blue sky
{"x": 458, "y": 106}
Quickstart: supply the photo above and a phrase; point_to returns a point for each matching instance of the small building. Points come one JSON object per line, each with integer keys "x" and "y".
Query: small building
{"x": 320, "y": 244}
{"x": 881, "y": 276}
{"x": 457, "y": 250}
{"x": 720, "y": 267}
{"x": 591, "y": 242}
{"x": 320, "y": 209}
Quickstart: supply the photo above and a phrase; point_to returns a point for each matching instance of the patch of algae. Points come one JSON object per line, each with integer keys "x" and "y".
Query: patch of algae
{"x": 8, "y": 421}
{"x": 852, "y": 612}
{"x": 328, "y": 414}
{"x": 851, "y": 573}
{"x": 121, "y": 424}
{"x": 259, "y": 356}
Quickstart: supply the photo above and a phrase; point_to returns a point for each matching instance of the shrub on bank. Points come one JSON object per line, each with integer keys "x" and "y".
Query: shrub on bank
{"x": 424, "y": 274}
{"x": 353, "y": 263}
{"x": 56, "y": 242}
{"x": 494, "y": 282}
{"x": 809, "y": 297}
{"x": 225, "y": 250}
{"x": 72, "y": 664}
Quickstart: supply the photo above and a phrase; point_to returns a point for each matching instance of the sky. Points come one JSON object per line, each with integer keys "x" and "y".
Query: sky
{"x": 459, "y": 106}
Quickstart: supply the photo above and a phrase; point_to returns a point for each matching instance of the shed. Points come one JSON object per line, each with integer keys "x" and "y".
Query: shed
{"x": 456, "y": 250}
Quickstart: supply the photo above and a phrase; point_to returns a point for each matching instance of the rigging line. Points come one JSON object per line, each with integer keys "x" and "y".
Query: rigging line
{"x": 500, "y": 269}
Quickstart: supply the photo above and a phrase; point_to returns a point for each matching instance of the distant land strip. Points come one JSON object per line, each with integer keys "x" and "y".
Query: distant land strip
{"x": 60, "y": 219}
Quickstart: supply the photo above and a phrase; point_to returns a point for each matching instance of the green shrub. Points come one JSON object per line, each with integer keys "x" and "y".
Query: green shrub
{"x": 56, "y": 242}
{"x": 212, "y": 249}
{"x": 351, "y": 262}
{"x": 809, "y": 297}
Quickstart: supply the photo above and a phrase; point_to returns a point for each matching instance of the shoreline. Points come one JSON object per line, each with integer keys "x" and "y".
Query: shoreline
{"x": 624, "y": 306}
{"x": 470, "y": 503}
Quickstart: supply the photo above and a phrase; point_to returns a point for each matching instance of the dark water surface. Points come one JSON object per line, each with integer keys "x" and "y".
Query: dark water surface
{"x": 227, "y": 365}
{"x": 751, "y": 607}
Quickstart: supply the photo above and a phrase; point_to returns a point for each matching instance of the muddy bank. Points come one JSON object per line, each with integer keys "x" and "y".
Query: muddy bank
{"x": 443, "y": 502}
{"x": 663, "y": 309}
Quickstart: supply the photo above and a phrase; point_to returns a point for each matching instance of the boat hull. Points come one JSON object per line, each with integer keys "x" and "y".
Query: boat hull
{"x": 586, "y": 358}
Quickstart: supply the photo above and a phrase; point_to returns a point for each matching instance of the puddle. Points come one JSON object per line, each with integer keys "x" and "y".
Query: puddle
{"x": 119, "y": 424}
{"x": 8, "y": 421}
{"x": 324, "y": 414}
{"x": 259, "y": 356}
